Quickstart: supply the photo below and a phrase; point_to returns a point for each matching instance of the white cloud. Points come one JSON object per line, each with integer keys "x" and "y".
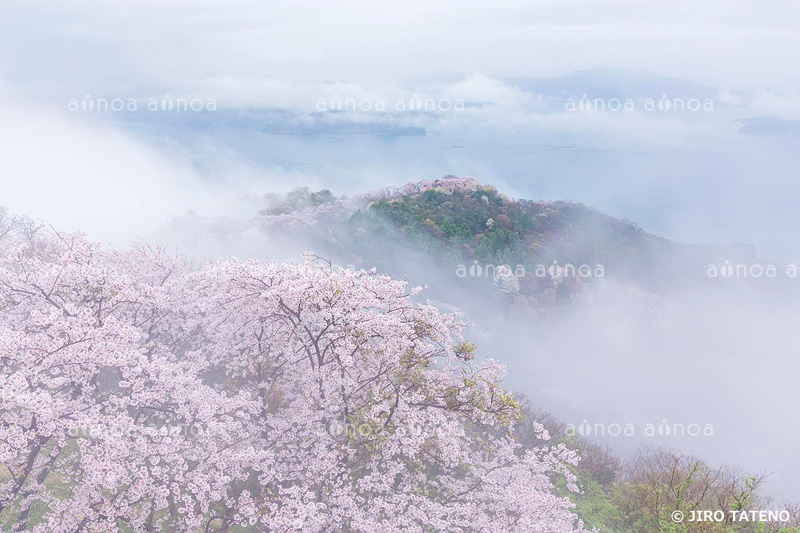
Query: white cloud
{"x": 777, "y": 104}
{"x": 86, "y": 175}
{"x": 151, "y": 44}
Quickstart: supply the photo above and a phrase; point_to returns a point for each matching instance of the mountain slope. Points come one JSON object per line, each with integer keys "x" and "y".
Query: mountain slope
{"x": 468, "y": 229}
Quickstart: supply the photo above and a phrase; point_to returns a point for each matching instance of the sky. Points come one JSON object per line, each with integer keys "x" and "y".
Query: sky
{"x": 94, "y": 46}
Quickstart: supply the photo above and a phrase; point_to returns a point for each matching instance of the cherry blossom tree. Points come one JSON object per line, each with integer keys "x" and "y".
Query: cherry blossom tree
{"x": 308, "y": 214}
{"x": 138, "y": 393}
{"x": 448, "y": 184}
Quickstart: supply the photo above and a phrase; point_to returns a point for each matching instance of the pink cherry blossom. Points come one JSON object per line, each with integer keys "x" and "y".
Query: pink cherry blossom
{"x": 286, "y": 397}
